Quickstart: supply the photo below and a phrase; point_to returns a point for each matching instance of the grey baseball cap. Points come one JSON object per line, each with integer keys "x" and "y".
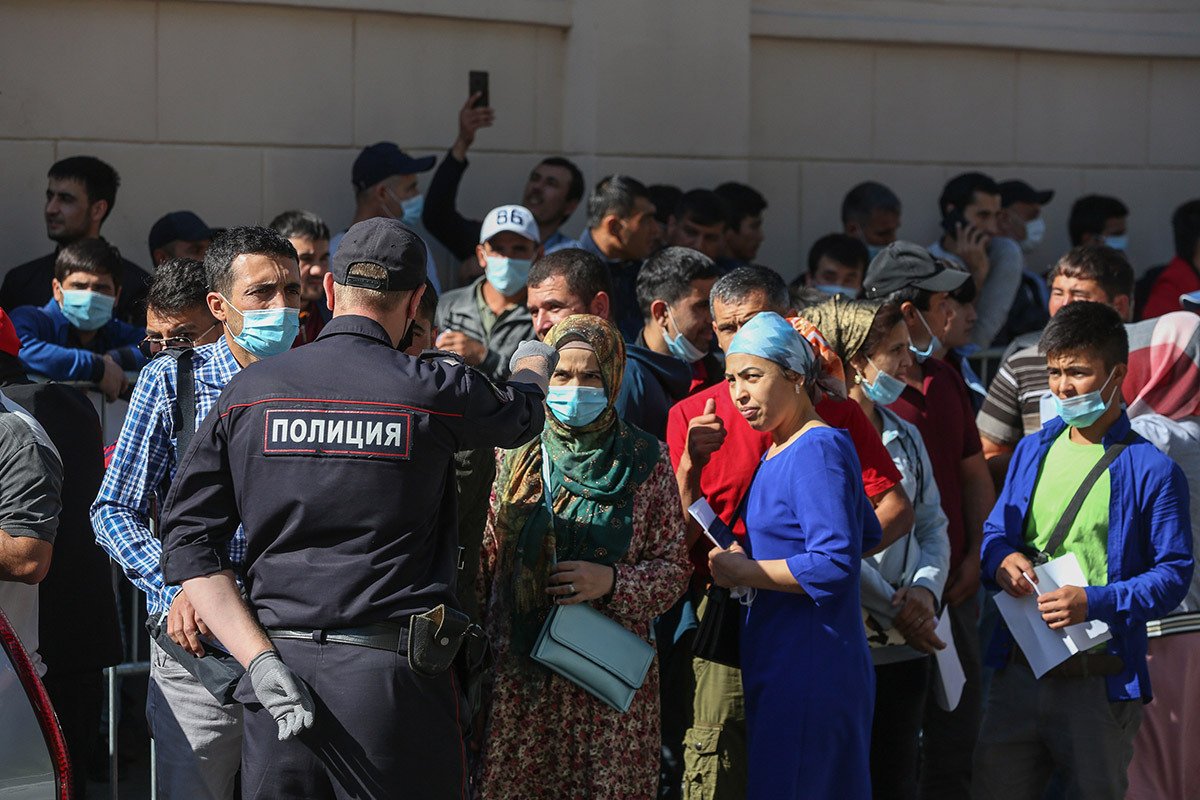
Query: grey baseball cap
{"x": 904, "y": 264}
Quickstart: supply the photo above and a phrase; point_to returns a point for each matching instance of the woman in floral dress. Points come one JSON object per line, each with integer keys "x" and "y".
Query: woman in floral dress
{"x": 616, "y": 541}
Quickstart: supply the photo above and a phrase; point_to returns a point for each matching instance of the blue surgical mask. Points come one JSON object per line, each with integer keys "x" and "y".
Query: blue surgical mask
{"x": 1035, "y": 231}
{"x": 679, "y": 346}
{"x": 508, "y": 275}
{"x": 87, "y": 310}
{"x": 885, "y": 390}
{"x": 848, "y": 292}
{"x": 934, "y": 345}
{"x": 1117, "y": 242}
{"x": 576, "y": 406}
{"x": 412, "y": 208}
{"x": 873, "y": 250}
{"x": 266, "y": 331}
{"x": 1082, "y": 410}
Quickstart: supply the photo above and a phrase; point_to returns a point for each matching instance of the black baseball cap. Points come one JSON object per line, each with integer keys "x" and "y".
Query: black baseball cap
{"x": 178, "y": 226}
{"x": 383, "y": 160}
{"x": 1021, "y": 192}
{"x": 386, "y": 243}
{"x": 904, "y": 264}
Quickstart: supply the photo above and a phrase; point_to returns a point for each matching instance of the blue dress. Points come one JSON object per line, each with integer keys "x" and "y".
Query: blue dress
{"x": 806, "y": 667}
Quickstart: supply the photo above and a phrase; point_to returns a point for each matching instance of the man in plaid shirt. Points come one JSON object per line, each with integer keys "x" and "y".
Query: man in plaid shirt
{"x": 255, "y": 281}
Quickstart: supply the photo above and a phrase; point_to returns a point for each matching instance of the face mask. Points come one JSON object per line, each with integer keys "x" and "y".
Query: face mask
{"x": 934, "y": 345}
{"x": 885, "y": 390}
{"x": 832, "y": 288}
{"x": 576, "y": 406}
{"x": 1035, "y": 231}
{"x": 412, "y": 208}
{"x": 87, "y": 310}
{"x": 1082, "y": 410}
{"x": 508, "y": 275}
{"x": 267, "y": 331}
{"x": 407, "y": 339}
{"x": 1117, "y": 242}
{"x": 872, "y": 251}
{"x": 680, "y": 347}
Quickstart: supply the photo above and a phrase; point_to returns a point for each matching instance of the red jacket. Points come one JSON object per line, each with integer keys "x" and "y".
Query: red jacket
{"x": 1178, "y": 278}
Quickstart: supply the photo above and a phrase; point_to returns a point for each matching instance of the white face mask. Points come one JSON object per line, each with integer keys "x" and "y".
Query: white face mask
{"x": 1035, "y": 231}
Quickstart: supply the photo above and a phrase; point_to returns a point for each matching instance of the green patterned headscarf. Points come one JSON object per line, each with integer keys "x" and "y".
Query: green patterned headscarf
{"x": 844, "y": 323}
{"x": 593, "y": 470}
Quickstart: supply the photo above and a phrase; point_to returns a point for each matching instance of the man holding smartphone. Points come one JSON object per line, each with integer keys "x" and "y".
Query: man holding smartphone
{"x": 970, "y": 207}
{"x": 552, "y": 192}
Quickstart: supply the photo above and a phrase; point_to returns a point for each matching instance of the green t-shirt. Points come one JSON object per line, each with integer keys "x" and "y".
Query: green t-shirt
{"x": 1063, "y": 470}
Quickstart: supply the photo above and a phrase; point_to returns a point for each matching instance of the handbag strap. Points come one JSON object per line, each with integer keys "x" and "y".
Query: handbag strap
{"x": 547, "y": 499}
{"x": 1068, "y": 516}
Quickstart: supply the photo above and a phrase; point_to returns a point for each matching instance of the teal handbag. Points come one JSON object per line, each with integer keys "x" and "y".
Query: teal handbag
{"x": 596, "y": 653}
{"x": 592, "y": 651}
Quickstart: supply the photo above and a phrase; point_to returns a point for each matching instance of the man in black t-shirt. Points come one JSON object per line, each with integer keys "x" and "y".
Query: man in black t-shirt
{"x": 79, "y": 196}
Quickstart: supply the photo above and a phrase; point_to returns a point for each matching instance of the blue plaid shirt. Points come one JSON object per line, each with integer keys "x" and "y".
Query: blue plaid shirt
{"x": 145, "y": 461}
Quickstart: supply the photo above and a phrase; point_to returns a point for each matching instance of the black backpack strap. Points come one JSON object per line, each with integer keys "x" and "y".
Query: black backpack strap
{"x": 185, "y": 400}
{"x": 1068, "y": 516}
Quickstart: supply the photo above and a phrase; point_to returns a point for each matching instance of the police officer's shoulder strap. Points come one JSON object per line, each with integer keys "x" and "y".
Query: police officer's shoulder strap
{"x": 184, "y": 413}
{"x": 1068, "y": 517}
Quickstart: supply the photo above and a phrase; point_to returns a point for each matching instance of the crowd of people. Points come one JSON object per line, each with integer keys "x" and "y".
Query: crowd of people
{"x": 364, "y": 473}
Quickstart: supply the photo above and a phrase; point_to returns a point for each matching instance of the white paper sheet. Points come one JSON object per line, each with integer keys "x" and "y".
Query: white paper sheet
{"x": 1045, "y": 648}
{"x": 714, "y": 528}
{"x": 951, "y": 678}
{"x": 703, "y": 513}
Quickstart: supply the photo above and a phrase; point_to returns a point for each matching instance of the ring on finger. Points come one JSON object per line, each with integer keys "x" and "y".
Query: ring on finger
{"x": 571, "y": 588}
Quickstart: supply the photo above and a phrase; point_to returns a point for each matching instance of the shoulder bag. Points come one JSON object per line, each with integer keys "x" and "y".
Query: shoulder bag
{"x": 592, "y": 651}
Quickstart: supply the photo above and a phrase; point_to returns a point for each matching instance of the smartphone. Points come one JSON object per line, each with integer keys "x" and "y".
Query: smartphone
{"x": 951, "y": 221}
{"x": 478, "y": 83}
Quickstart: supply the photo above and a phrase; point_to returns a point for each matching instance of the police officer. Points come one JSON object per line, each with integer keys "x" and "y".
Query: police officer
{"x": 337, "y": 459}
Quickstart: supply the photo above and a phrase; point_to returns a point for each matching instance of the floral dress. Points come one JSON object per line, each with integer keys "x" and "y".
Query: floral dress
{"x": 547, "y": 738}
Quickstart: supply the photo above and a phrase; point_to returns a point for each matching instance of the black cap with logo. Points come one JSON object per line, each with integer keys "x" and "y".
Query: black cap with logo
{"x": 387, "y": 243}
{"x": 904, "y": 264}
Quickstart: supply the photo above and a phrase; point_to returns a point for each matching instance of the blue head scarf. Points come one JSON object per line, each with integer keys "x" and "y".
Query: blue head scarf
{"x": 768, "y": 335}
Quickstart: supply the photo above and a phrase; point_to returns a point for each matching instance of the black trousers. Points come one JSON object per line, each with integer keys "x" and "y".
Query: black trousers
{"x": 78, "y": 700}
{"x": 381, "y": 731}
{"x": 900, "y": 690}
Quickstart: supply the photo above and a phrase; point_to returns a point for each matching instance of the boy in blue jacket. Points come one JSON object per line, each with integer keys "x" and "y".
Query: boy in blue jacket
{"x": 74, "y": 336}
{"x": 1132, "y": 537}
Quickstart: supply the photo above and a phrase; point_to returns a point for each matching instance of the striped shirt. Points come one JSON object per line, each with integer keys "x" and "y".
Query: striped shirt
{"x": 1012, "y": 408}
{"x": 144, "y": 462}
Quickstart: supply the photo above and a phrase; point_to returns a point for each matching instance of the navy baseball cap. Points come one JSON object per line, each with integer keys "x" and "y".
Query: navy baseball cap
{"x": 387, "y": 243}
{"x": 383, "y": 160}
{"x": 178, "y": 226}
{"x": 904, "y": 264}
{"x": 1021, "y": 192}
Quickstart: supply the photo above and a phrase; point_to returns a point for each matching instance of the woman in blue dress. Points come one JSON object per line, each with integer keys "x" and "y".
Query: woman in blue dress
{"x": 806, "y": 667}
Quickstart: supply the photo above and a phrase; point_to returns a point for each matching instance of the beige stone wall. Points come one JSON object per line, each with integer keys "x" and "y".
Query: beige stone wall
{"x": 239, "y": 110}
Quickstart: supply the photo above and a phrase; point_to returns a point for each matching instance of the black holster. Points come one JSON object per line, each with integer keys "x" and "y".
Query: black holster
{"x": 434, "y": 639}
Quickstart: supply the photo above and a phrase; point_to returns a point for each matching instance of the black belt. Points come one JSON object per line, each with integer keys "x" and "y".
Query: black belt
{"x": 389, "y": 636}
{"x": 1080, "y": 665}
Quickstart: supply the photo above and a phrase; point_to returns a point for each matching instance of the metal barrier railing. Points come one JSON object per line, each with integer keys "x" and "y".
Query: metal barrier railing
{"x": 987, "y": 362}
{"x": 111, "y": 674}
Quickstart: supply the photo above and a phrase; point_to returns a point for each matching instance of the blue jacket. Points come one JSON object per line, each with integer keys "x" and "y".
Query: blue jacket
{"x": 653, "y": 382}
{"x": 46, "y": 347}
{"x": 1149, "y": 546}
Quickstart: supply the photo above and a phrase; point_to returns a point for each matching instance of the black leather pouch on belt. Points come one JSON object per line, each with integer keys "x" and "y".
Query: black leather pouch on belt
{"x": 434, "y": 639}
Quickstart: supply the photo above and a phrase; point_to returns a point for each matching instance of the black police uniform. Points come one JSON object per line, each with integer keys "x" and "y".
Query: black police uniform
{"x": 337, "y": 457}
